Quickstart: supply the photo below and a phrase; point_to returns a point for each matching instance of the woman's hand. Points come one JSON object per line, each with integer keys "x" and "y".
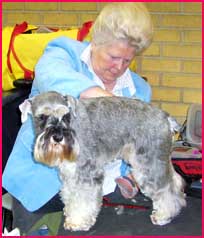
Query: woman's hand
{"x": 95, "y": 92}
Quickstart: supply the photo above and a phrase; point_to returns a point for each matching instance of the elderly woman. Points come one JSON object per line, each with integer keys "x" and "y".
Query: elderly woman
{"x": 81, "y": 69}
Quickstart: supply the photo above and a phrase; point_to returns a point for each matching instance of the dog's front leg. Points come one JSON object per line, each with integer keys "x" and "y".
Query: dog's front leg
{"x": 83, "y": 207}
{"x": 82, "y": 196}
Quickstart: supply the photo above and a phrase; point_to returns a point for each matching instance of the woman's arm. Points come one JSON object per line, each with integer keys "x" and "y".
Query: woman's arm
{"x": 60, "y": 69}
{"x": 95, "y": 92}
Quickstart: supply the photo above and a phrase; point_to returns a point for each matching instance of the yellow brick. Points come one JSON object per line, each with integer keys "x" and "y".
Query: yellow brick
{"x": 101, "y": 5}
{"x": 14, "y": 18}
{"x": 153, "y": 50}
{"x": 192, "y": 96}
{"x": 60, "y": 19}
{"x": 48, "y": 6}
{"x": 192, "y": 51}
{"x": 182, "y": 81}
{"x": 156, "y": 104}
{"x": 166, "y": 35}
{"x": 152, "y": 78}
{"x": 164, "y": 94}
{"x": 163, "y": 6}
{"x": 181, "y": 21}
{"x": 175, "y": 109}
{"x": 193, "y": 36}
{"x": 192, "y": 7}
{"x": 156, "y": 20}
{"x": 79, "y": 6}
{"x": 192, "y": 66}
{"x": 13, "y": 6}
{"x": 181, "y": 121}
{"x": 161, "y": 65}
{"x": 88, "y": 17}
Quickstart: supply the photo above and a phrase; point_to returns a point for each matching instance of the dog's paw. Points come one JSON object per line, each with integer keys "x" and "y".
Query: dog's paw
{"x": 68, "y": 225}
{"x": 160, "y": 219}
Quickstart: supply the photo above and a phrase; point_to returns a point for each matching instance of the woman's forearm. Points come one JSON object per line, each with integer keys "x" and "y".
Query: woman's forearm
{"x": 95, "y": 92}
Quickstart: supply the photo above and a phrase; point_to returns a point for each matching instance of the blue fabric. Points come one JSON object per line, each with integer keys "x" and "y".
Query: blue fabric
{"x": 59, "y": 69}
{"x": 124, "y": 168}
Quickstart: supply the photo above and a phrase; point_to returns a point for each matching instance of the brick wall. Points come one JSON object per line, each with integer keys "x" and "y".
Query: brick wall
{"x": 172, "y": 64}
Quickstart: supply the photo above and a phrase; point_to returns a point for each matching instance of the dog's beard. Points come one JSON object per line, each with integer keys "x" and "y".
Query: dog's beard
{"x": 52, "y": 153}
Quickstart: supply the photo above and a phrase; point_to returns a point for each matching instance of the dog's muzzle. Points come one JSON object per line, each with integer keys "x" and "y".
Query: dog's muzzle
{"x": 57, "y": 135}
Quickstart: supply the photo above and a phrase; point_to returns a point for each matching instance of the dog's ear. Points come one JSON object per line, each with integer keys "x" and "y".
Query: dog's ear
{"x": 25, "y": 109}
{"x": 72, "y": 103}
{"x": 174, "y": 126}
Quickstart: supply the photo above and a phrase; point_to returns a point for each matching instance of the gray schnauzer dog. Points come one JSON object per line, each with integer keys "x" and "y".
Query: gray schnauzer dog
{"x": 81, "y": 136}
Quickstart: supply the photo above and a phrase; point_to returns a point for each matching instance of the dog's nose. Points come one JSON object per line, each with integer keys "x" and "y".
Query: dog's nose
{"x": 57, "y": 137}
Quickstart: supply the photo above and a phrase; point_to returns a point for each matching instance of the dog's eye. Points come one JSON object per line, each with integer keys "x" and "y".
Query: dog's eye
{"x": 42, "y": 117}
{"x": 66, "y": 118}
{"x": 41, "y": 121}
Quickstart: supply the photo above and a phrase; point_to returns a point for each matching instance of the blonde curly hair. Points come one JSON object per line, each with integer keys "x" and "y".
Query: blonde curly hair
{"x": 129, "y": 21}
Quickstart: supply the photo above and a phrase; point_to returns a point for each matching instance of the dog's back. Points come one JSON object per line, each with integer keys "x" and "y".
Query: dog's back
{"x": 116, "y": 121}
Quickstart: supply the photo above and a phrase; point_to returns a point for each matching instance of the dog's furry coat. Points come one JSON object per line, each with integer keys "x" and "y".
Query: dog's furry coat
{"x": 80, "y": 136}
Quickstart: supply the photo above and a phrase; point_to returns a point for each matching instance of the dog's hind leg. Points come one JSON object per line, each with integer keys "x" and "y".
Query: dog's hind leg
{"x": 157, "y": 180}
{"x": 168, "y": 200}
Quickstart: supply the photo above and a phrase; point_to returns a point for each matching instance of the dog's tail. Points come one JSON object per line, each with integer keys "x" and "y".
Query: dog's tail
{"x": 174, "y": 125}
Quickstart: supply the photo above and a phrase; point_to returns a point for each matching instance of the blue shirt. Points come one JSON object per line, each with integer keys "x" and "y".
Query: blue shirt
{"x": 60, "y": 69}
